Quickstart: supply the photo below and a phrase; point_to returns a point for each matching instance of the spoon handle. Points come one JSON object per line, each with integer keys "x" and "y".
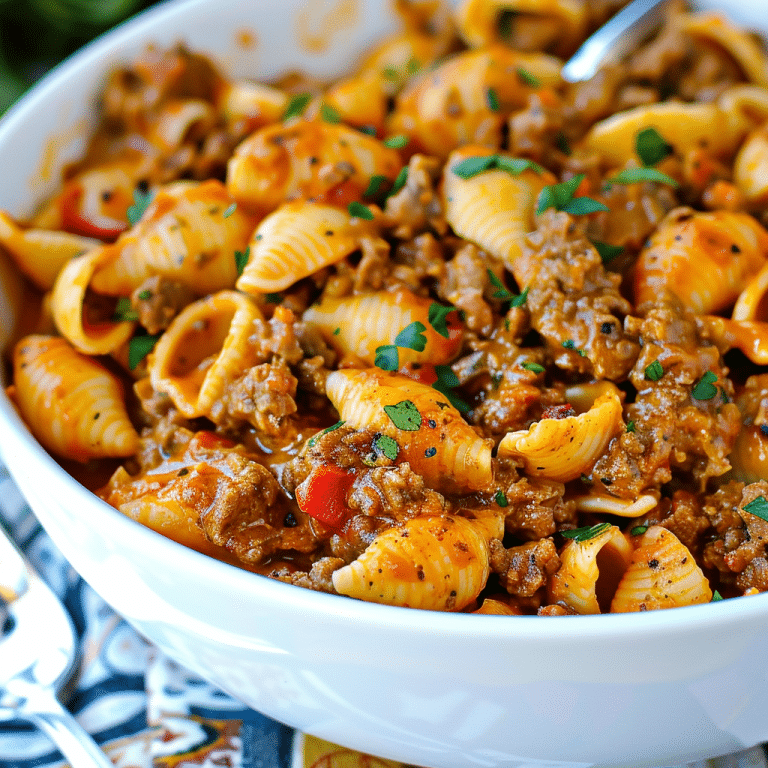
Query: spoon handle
{"x": 78, "y": 747}
{"x": 617, "y": 37}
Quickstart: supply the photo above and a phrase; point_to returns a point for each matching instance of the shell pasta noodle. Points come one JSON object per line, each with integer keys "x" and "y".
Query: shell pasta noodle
{"x": 446, "y": 333}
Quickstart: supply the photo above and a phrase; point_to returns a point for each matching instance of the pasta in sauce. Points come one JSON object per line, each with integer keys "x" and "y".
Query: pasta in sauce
{"x": 449, "y": 333}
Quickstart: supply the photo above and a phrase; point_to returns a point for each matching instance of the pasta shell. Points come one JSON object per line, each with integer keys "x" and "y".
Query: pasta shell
{"x": 41, "y": 253}
{"x": 295, "y": 241}
{"x": 563, "y": 449}
{"x": 493, "y": 607}
{"x": 431, "y": 434}
{"x": 356, "y": 326}
{"x": 663, "y": 574}
{"x": 610, "y": 505}
{"x": 749, "y": 456}
{"x": 752, "y": 303}
{"x": 749, "y": 336}
{"x": 494, "y": 209}
{"x": 448, "y": 106}
{"x": 430, "y": 562}
{"x": 255, "y": 103}
{"x": 204, "y": 348}
{"x": 713, "y": 27}
{"x": 750, "y": 168}
{"x": 279, "y": 163}
{"x": 189, "y": 233}
{"x": 74, "y": 406}
{"x": 71, "y": 311}
{"x": 590, "y": 571}
{"x": 720, "y": 126}
{"x": 704, "y": 258}
{"x": 566, "y": 21}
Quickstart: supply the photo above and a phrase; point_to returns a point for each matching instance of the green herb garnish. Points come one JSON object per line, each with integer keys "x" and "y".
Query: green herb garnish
{"x": 631, "y": 426}
{"x": 297, "y": 105}
{"x": 561, "y": 198}
{"x": 387, "y": 446}
{"x": 654, "y": 371}
{"x": 241, "y": 259}
{"x": 472, "y": 166}
{"x": 651, "y": 147}
{"x": 527, "y": 78}
{"x": 404, "y": 415}
{"x": 587, "y": 532}
{"x": 492, "y": 98}
{"x": 533, "y": 367}
{"x": 501, "y": 499}
{"x": 637, "y": 175}
{"x": 638, "y": 530}
{"x": 412, "y": 337}
{"x": 396, "y": 142}
{"x": 359, "y": 210}
{"x": 438, "y": 315}
{"x": 141, "y": 201}
{"x": 230, "y": 210}
{"x": 329, "y": 114}
{"x": 139, "y": 347}
{"x": 387, "y": 357}
{"x": 446, "y": 382}
{"x": 705, "y": 388}
{"x": 758, "y": 507}
{"x": 607, "y": 251}
{"x": 124, "y": 311}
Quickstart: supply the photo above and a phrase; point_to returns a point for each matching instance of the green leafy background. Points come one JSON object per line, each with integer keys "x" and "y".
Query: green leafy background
{"x": 35, "y": 35}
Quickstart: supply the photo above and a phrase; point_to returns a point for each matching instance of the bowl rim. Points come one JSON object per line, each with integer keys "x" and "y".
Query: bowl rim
{"x": 730, "y": 611}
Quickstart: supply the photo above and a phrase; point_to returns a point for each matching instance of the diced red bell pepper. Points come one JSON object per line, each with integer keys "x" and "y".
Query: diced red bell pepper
{"x": 323, "y": 495}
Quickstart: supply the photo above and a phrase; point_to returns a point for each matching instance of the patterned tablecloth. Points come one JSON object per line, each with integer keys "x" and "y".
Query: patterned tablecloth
{"x": 146, "y": 711}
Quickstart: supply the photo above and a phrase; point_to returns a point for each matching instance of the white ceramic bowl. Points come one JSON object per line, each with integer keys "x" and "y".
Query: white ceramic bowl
{"x": 445, "y": 691}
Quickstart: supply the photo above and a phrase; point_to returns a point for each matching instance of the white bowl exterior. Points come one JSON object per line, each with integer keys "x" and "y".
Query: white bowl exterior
{"x": 431, "y": 689}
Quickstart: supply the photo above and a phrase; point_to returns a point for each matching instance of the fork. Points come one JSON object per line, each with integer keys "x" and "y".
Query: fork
{"x": 621, "y": 34}
{"x": 38, "y": 654}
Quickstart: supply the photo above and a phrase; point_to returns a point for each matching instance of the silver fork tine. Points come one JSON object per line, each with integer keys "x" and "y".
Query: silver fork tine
{"x": 37, "y": 657}
{"x": 618, "y": 36}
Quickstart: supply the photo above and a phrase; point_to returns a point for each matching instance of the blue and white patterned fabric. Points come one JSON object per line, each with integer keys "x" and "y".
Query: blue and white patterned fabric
{"x": 146, "y": 711}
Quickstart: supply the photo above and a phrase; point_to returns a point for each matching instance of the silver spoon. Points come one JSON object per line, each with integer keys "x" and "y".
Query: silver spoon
{"x": 617, "y": 37}
{"x": 37, "y": 657}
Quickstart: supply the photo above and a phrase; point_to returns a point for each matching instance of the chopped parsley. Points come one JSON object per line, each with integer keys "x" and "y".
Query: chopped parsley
{"x": 501, "y": 499}
{"x": 571, "y": 344}
{"x": 139, "y": 347}
{"x": 561, "y": 198}
{"x": 375, "y": 185}
{"x": 359, "y": 210}
{"x": 145, "y": 295}
{"x": 492, "y": 98}
{"x": 297, "y": 105}
{"x": 716, "y": 597}
{"x": 758, "y": 507}
{"x": 141, "y": 201}
{"x": 332, "y": 428}
{"x": 637, "y": 175}
{"x": 446, "y": 382}
{"x": 329, "y": 114}
{"x": 404, "y": 415}
{"x": 638, "y": 530}
{"x": 124, "y": 311}
{"x": 438, "y": 315}
{"x": 502, "y": 294}
{"x": 587, "y": 532}
{"x": 526, "y": 78}
{"x": 654, "y": 371}
{"x": 705, "y": 388}
{"x": 396, "y": 142}
{"x": 607, "y": 251}
{"x": 412, "y": 337}
{"x": 631, "y": 425}
{"x": 241, "y": 259}
{"x": 387, "y": 446}
{"x": 400, "y": 180}
{"x": 651, "y": 147}
{"x": 533, "y": 367}
{"x": 387, "y": 357}
{"x": 472, "y": 166}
